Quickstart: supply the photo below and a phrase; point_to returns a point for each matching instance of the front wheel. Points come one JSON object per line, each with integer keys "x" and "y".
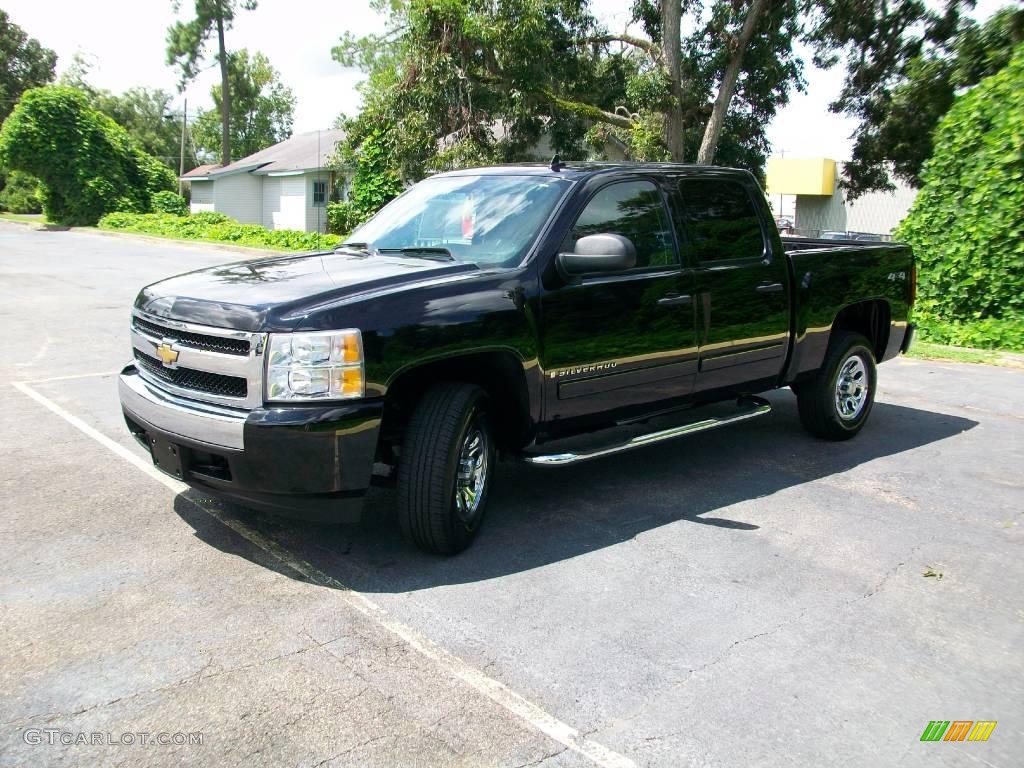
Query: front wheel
{"x": 836, "y": 403}
{"x": 445, "y": 469}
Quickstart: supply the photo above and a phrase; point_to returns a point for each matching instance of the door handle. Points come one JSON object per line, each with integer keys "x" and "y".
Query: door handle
{"x": 675, "y": 300}
{"x": 769, "y": 288}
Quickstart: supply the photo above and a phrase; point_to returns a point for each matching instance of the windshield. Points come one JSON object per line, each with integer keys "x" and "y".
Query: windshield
{"x": 487, "y": 220}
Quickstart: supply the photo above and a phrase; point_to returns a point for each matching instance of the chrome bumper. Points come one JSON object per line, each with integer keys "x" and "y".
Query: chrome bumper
{"x": 202, "y": 422}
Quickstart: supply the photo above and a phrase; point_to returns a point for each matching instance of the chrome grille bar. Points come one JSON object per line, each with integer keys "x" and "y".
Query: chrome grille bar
{"x": 206, "y": 342}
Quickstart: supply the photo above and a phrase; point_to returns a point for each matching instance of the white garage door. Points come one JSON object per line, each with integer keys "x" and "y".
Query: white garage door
{"x": 291, "y": 213}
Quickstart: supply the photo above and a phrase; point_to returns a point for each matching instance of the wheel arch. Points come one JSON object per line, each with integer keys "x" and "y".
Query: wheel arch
{"x": 870, "y": 318}
{"x": 499, "y": 372}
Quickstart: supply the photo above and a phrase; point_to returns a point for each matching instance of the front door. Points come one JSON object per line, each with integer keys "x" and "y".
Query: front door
{"x": 741, "y": 287}
{"x": 626, "y": 338}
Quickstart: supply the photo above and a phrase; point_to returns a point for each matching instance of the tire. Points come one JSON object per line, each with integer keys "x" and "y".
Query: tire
{"x": 440, "y": 509}
{"x": 836, "y": 404}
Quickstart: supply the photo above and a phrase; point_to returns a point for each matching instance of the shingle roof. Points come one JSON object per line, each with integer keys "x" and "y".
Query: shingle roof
{"x": 201, "y": 171}
{"x": 302, "y": 152}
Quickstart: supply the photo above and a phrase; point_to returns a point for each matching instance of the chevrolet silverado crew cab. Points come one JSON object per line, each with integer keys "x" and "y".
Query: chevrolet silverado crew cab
{"x": 547, "y": 314}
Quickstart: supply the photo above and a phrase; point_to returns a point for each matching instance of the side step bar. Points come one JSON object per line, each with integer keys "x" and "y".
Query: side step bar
{"x": 756, "y": 406}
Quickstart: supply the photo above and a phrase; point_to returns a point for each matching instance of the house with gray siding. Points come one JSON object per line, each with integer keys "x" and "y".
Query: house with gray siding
{"x": 281, "y": 187}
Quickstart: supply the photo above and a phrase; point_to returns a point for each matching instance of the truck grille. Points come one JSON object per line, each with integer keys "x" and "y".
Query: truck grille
{"x": 194, "y": 340}
{"x": 207, "y": 363}
{"x": 186, "y": 378}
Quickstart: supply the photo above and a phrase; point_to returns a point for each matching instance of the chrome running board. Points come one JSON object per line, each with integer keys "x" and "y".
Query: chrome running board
{"x": 755, "y": 406}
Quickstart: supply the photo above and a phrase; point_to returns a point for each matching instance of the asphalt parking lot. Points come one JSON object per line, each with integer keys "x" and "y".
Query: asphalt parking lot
{"x": 748, "y": 597}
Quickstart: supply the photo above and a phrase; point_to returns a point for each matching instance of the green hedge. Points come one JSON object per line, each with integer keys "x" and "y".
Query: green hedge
{"x": 967, "y": 224}
{"x": 342, "y": 218}
{"x": 21, "y": 194}
{"x": 86, "y": 163}
{"x": 374, "y": 184}
{"x": 169, "y": 202}
{"x": 217, "y": 227}
{"x": 990, "y": 333}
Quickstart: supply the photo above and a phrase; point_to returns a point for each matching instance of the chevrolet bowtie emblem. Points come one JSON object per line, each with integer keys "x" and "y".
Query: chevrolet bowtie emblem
{"x": 167, "y": 353}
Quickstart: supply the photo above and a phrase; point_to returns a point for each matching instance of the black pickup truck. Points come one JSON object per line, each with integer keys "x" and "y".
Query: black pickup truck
{"x": 548, "y": 314}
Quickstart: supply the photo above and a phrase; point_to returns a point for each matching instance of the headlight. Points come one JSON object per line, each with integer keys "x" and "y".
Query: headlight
{"x": 326, "y": 365}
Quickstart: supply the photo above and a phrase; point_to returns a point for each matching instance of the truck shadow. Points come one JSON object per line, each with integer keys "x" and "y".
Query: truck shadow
{"x": 541, "y": 515}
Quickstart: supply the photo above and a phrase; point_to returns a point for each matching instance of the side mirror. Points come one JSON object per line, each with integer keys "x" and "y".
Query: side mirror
{"x": 599, "y": 253}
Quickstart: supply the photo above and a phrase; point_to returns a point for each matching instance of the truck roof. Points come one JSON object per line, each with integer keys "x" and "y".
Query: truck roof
{"x": 579, "y": 169}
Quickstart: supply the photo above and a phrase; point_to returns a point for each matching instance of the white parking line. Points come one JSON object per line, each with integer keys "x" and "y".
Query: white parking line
{"x": 97, "y": 374}
{"x": 493, "y": 689}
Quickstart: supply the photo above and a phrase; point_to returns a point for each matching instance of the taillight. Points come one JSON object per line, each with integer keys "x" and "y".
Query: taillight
{"x": 913, "y": 282}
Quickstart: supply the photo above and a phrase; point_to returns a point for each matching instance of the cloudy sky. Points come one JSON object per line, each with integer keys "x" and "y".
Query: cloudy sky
{"x": 124, "y": 40}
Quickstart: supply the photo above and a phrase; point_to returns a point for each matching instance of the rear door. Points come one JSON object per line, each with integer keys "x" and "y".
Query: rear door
{"x": 741, "y": 286}
{"x": 625, "y": 338}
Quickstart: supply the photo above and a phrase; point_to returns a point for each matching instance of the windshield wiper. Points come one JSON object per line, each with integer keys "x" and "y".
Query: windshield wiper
{"x": 422, "y": 252}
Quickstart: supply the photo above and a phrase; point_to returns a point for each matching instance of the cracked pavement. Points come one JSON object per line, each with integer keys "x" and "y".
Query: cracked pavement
{"x": 749, "y": 596}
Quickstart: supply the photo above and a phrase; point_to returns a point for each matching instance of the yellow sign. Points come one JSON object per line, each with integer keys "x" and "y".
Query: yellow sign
{"x": 791, "y": 176}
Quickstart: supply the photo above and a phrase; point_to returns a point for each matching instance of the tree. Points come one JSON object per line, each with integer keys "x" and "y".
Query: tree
{"x": 24, "y": 64}
{"x": 185, "y": 47}
{"x": 967, "y": 223}
{"x": 262, "y": 107}
{"x": 452, "y": 71}
{"x": 20, "y": 194}
{"x": 737, "y": 46}
{"x": 902, "y": 76}
{"x": 87, "y": 164}
{"x": 374, "y": 183}
{"x": 448, "y": 78}
{"x": 76, "y": 73}
{"x": 461, "y": 81}
{"x": 145, "y": 113}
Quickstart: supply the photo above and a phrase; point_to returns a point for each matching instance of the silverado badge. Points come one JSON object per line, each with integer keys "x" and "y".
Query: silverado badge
{"x": 167, "y": 353}
{"x": 578, "y": 369}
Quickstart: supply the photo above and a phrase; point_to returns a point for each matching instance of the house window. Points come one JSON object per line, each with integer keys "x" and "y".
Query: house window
{"x": 319, "y": 194}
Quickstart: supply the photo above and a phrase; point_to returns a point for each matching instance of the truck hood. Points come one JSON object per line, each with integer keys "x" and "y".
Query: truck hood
{"x": 277, "y": 293}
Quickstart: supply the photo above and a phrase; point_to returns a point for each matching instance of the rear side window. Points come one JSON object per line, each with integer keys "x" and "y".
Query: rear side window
{"x": 721, "y": 220}
{"x": 632, "y": 209}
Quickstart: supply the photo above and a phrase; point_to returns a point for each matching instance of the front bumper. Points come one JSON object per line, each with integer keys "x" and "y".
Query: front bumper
{"x": 311, "y": 462}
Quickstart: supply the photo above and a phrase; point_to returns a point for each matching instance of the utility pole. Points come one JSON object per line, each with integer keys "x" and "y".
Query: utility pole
{"x": 181, "y": 152}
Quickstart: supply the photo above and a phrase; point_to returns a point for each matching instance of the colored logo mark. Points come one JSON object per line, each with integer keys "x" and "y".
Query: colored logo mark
{"x": 958, "y": 730}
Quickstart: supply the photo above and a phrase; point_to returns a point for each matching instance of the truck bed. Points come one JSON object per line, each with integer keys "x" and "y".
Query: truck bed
{"x": 830, "y": 275}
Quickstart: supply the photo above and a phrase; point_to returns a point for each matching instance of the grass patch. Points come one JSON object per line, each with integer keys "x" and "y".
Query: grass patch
{"x": 216, "y": 228}
{"x": 271, "y": 250}
{"x": 27, "y": 218}
{"x": 1004, "y": 334}
{"x": 926, "y": 350}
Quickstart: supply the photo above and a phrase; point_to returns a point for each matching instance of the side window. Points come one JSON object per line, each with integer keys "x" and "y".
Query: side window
{"x": 319, "y": 194}
{"x": 721, "y": 220}
{"x": 633, "y": 209}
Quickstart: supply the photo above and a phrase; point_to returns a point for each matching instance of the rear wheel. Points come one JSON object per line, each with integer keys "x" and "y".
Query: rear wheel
{"x": 836, "y": 403}
{"x": 445, "y": 469}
